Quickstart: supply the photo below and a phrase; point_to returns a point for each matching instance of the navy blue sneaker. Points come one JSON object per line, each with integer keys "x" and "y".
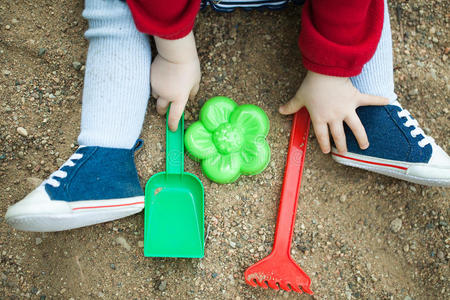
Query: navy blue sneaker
{"x": 94, "y": 185}
{"x": 398, "y": 147}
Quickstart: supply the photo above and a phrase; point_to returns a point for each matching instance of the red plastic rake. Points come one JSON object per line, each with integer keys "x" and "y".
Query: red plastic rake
{"x": 278, "y": 270}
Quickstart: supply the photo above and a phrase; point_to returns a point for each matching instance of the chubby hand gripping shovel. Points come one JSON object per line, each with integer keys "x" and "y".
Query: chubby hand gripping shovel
{"x": 278, "y": 269}
{"x": 174, "y": 206}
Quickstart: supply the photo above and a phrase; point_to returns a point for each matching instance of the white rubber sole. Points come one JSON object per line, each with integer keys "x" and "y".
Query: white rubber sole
{"x": 421, "y": 173}
{"x": 38, "y": 213}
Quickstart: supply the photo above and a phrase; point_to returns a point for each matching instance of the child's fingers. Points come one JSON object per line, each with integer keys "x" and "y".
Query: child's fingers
{"x": 321, "y": 132}
{"x": 292, "y": 106}
{"x": 358, "y": 130}
{"x": 194, "y": 92}
{"x": 176, "y": 110}
{"x": 337, "y": 131}
{"x": 365, "y": 100}
{"x": 162, "y": 105}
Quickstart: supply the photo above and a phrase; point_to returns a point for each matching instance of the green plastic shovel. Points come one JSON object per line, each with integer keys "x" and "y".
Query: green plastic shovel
{"x": 174, "y": 206}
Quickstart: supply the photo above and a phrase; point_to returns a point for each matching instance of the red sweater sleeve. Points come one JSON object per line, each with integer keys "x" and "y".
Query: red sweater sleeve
{"x": 168, "y": 19}
{"x": 339, "y": 36}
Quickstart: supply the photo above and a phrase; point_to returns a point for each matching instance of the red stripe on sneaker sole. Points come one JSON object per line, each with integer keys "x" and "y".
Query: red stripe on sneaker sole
{"x": 371, "y": 162}
{"x": 104, "y": 206}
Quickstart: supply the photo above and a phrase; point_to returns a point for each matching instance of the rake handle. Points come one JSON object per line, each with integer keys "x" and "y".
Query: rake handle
{"x": 291, "y": 183}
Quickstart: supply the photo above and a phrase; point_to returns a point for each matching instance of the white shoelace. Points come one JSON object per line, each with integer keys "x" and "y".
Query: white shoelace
{"x": 417, "y": 130}
{"x": 62, "y": 174}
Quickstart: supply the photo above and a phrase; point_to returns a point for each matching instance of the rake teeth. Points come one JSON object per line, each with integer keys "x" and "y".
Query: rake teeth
{"x": 307, "y": 290}
{"x": 262, "y": 284}
{"x": 284, "y": 286}
{"x": 251, "y": 282}
{"x": 296, "y": 288}
{"x": 273, "y": 285}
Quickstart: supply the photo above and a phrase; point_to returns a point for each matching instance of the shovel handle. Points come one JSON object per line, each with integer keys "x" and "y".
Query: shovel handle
{"x": 175, "y": 147}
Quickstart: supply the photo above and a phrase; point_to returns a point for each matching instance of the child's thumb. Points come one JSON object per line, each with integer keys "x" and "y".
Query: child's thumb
{"x": 366, "y": 100}
{"x": 292, "y": 106}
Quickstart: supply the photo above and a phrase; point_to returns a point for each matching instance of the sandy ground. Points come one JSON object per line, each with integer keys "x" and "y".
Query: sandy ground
{"x": 344, "y": 238}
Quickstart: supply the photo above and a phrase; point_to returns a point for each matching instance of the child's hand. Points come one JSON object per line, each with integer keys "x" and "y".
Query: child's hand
{"x": 331, "y": 101}
{"x": 175, "y": 76}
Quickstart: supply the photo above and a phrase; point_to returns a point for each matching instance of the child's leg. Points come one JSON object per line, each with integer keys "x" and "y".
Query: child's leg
{"x": 99, "y": 182}
{"x": 398, "y": 147}
{"x": 117, "y": 80}
{"x": 377, "y": 76}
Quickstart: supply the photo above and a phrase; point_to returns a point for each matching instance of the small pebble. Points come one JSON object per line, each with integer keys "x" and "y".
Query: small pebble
{"x": 413, "y": 92}
{"x": 162, "y": 286}
{"x": 22, "y": 131}
{"x": 38, "y": 241}
{"x": 33, "y": 182}
{"x": 41, "y": 51}
{"x": 121, "y": 241}
{"x": 76, "y": 65}
{"x": 396, "y": 225}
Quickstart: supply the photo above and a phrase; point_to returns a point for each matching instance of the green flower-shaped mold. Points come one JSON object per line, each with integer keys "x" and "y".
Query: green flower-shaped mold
{"x": 229, "y": 140}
